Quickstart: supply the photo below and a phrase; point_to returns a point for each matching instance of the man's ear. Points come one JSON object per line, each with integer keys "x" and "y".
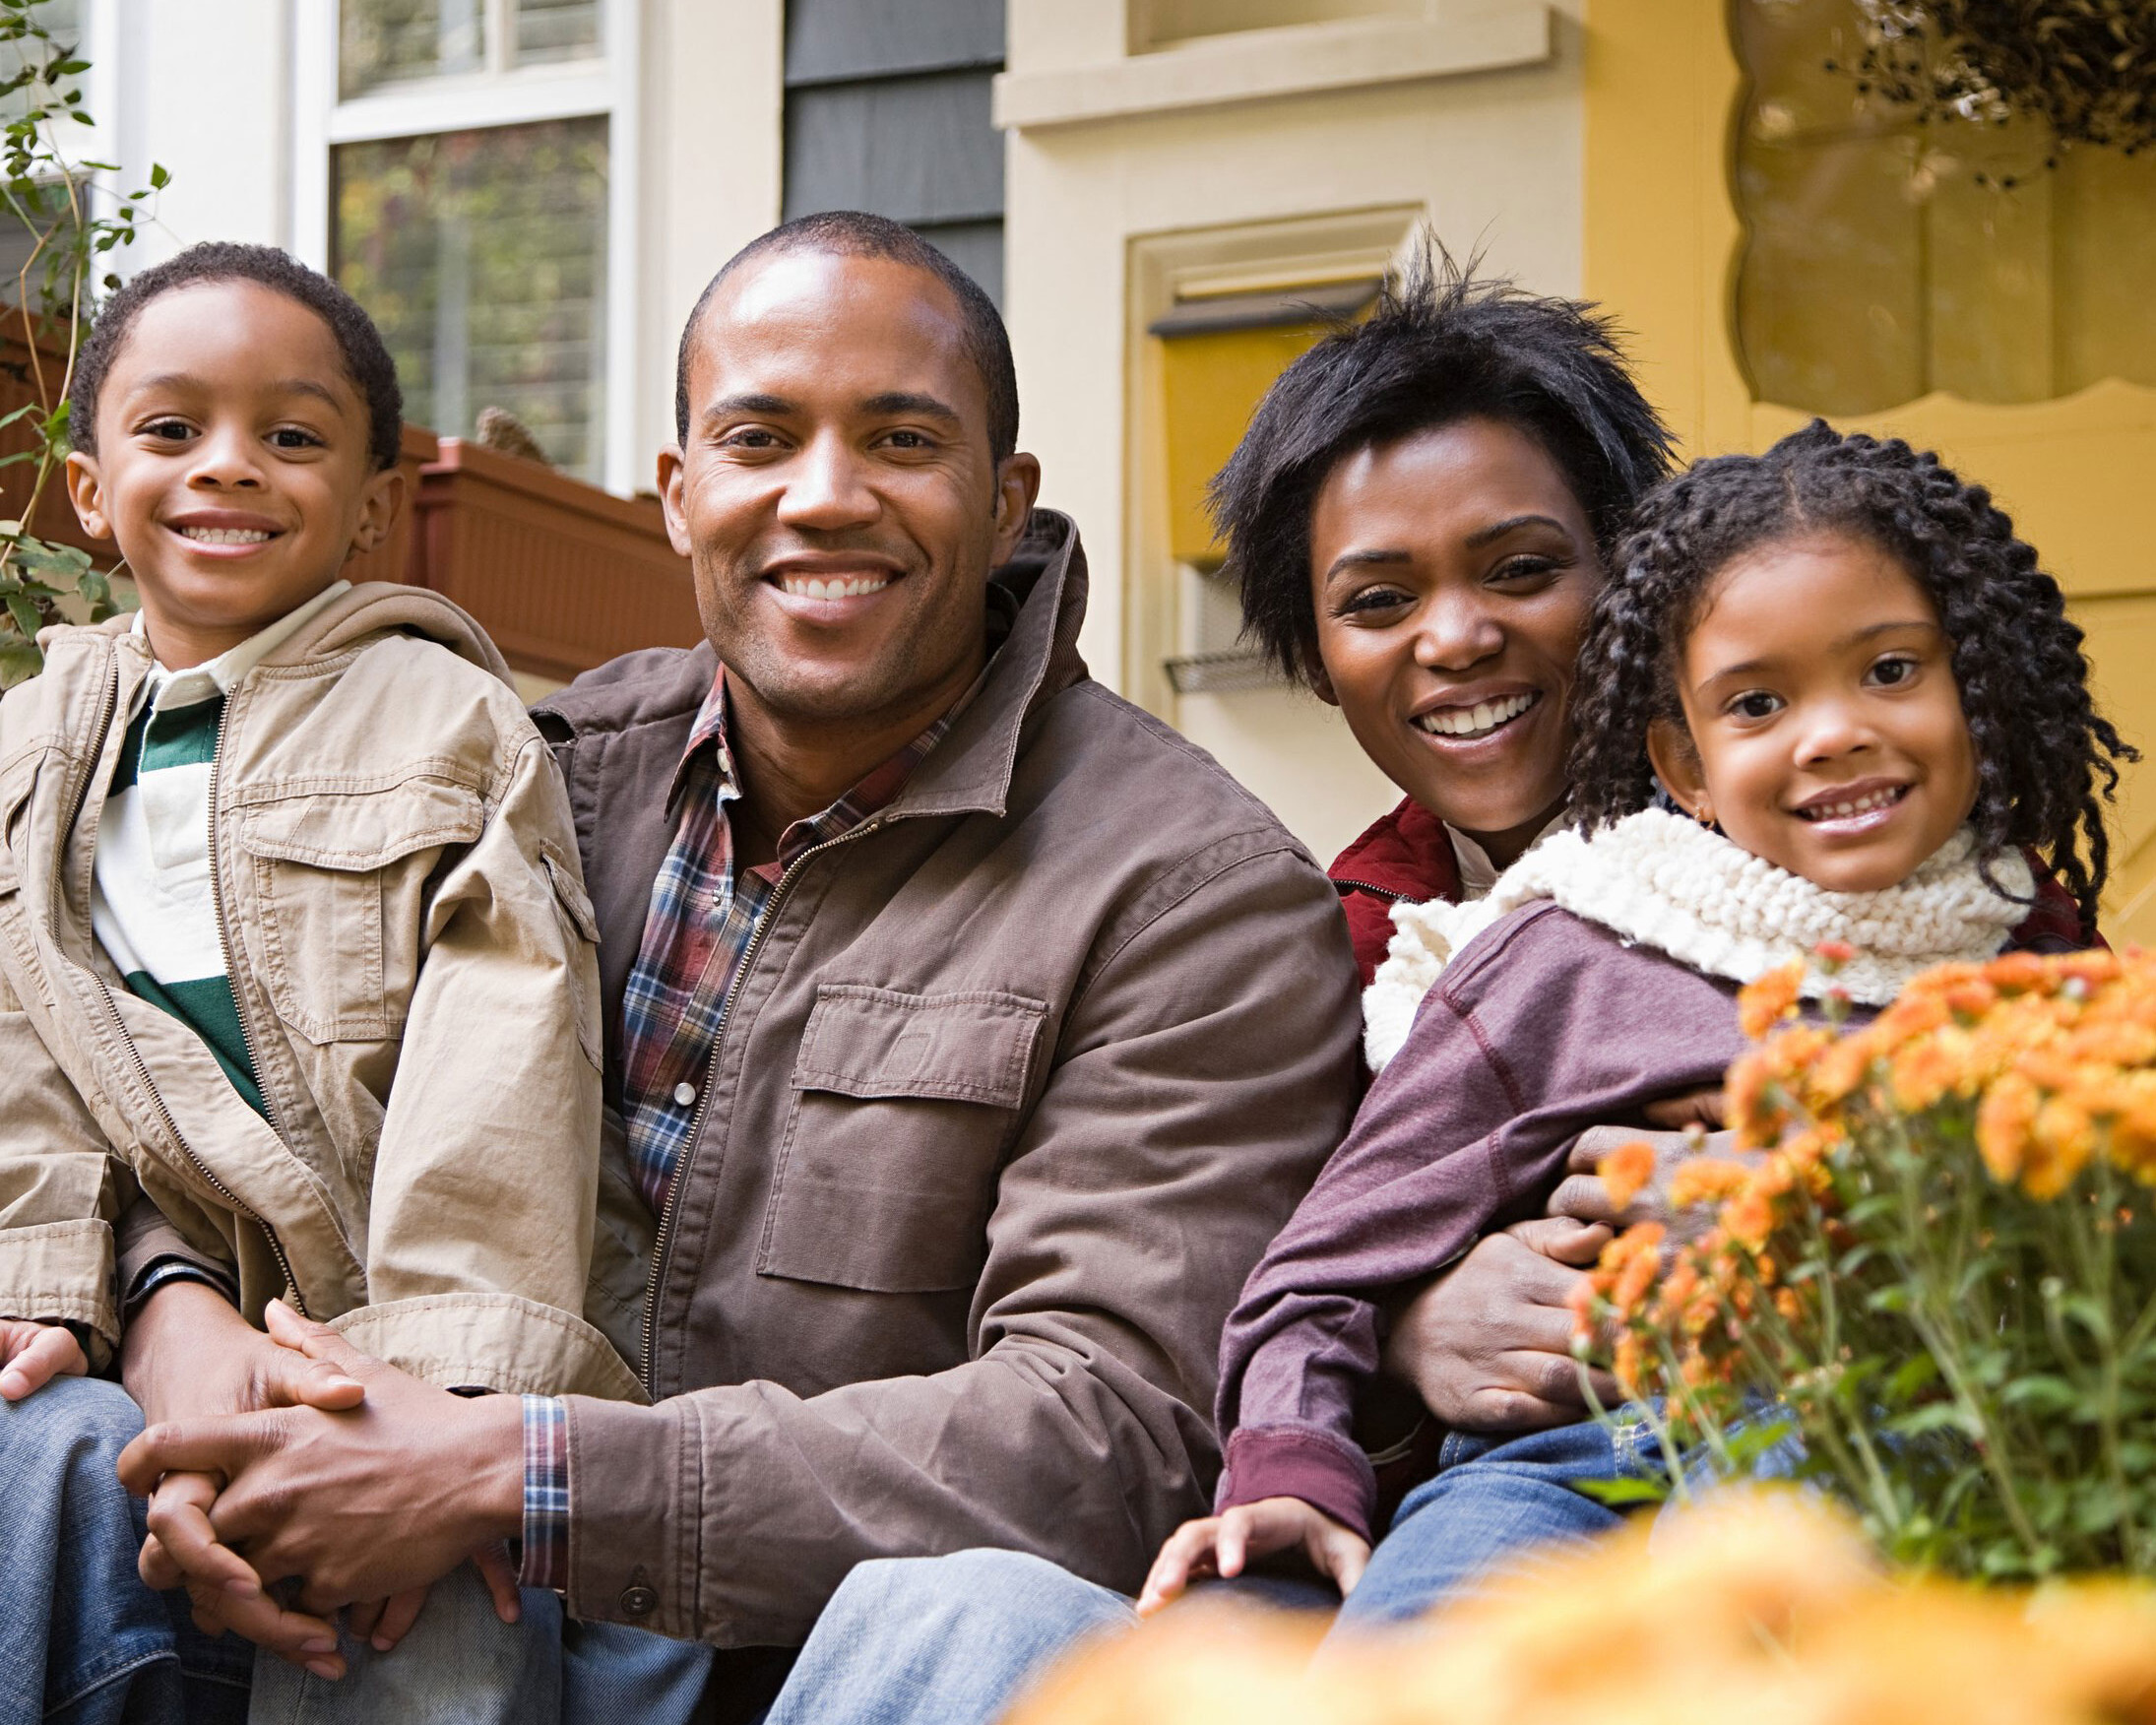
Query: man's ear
{"x": 381, "y": 509}
{"x": 86, "y": 490}
{"x": 1016, "y": 485}
{"x": 1676, "y": 761}
{"x": 670, "y": 470}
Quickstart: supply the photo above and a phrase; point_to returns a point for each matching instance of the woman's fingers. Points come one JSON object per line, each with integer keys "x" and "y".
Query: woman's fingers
{"x": 360, "y": 1617}
{"x": 1340, "y": 1553}
{"x": 187, "y": 1544}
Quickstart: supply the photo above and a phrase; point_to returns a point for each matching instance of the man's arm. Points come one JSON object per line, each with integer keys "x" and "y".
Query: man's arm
{"x": 1205, "y": 1069}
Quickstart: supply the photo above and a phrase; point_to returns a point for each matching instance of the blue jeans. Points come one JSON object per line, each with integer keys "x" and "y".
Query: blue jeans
{"x": 82, "y": 1640}
{"x": 952, "y": 1640}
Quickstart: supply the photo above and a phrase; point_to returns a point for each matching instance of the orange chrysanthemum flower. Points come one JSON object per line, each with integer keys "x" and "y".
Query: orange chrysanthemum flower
{"x": 1764, "y": 1003}
{"x": 1625, "y": 1171}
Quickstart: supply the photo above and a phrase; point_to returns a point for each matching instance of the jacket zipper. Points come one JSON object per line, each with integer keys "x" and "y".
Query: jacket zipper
{"x": 113, "y": 1006}
{"x": 702, "y": 1099}
{"x": 1370, "y": 886}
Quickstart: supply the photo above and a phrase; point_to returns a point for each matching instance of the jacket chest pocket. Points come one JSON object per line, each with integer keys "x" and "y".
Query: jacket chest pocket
{"x": 340, "y": 887}
{"x": 902, "y": 1105}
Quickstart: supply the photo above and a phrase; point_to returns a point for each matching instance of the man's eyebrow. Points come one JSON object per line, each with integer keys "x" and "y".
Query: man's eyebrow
{"x": 1351, "y": 561}
{"x": 1497, "y": 529}
{"x": 763, "y": 405}
{"x": 898, "y": 400}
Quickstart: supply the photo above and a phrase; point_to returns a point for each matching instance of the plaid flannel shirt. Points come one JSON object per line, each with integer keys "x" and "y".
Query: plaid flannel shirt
{"x": 703, "y": 920}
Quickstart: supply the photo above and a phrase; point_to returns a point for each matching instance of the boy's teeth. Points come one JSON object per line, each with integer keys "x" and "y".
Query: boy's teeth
{"x": 1863, "y": 805}
{"x": 847, "y": 587}
{"x": 225, "y": 535}
{"x": 1484, "y": 716}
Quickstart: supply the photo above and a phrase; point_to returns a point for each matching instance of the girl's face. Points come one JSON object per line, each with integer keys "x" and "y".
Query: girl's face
{"x": 233, "y": 465}
{"x": 1452, "y": 572}
{"x": 1826, "y": 732}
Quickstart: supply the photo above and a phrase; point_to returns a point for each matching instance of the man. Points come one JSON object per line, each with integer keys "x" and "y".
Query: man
{"x": 969, "y": 1036}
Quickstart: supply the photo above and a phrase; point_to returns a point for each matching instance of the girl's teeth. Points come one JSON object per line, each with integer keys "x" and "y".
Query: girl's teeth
{"x": 1484, "y": 716}
{"x": 1863, "y": 805}
{"x": 223, "y": 536}
{"x": 852, "y": 587}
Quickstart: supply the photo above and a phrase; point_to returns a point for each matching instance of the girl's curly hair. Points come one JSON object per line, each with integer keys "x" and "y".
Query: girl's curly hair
{"x": 2047, "y": 760}
{"x": 1442, "y": 345}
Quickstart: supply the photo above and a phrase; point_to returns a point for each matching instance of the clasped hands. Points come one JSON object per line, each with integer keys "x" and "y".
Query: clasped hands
{"x": 291, "y": 1457}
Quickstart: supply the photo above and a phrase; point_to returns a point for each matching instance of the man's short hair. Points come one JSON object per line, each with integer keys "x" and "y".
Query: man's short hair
{"x": 855, "y": 233}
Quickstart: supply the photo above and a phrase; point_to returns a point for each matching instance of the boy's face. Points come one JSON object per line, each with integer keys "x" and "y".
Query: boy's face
{"x": 233, "y": 465}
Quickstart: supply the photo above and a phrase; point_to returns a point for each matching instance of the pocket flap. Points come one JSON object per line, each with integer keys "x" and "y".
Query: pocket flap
{"x": 576, "y": 903}
{"x": 363, "y": 829}
{"x": 971, "y": 1046}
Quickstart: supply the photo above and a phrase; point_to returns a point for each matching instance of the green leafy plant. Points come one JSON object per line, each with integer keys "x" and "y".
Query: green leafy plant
{"x": 1938, "y": 1272}
{"x": 71, "y": 226}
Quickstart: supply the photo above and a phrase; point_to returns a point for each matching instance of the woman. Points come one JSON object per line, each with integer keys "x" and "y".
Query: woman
{"x": 1417, "y": 517}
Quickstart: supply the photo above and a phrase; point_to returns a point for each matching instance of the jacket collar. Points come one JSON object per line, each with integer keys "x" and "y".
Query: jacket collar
{"x": 1405, "y": 854}
{"x": 970, "y": 770}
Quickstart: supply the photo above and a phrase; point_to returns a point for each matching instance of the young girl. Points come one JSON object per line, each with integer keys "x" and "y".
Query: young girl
{"x": 1868, "y": 702}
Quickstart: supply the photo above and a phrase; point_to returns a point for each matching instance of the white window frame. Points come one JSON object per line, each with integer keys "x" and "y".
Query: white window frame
{"x": 563, "y": 90}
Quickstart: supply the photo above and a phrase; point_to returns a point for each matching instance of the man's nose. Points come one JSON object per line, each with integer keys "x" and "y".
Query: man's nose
{"x": 1454, "y": 632}
{"x": 826, "y": 487}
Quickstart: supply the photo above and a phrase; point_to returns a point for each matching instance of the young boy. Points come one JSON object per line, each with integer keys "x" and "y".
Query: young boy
{"x": 294, "y": 940}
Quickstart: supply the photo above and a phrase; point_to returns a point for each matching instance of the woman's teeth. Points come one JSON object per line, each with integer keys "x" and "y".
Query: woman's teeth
{"x": 845, "y": 587}
{"x": 1476, "y": 721}
{"x": 1856, "y": 806}
{"x": 225, "y": 535}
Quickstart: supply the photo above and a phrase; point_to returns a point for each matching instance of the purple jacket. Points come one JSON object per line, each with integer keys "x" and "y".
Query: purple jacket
{"x": 1544, "y": 1026}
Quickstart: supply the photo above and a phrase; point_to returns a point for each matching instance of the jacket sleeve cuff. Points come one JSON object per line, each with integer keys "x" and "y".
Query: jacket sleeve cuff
{"x": 501, "y": 1342}
{"x": 146, "y": 1238}
{"x": 1327, "y": 1472}
{"x": 634, "y": 1554}
{"x": 62, "y": 1272}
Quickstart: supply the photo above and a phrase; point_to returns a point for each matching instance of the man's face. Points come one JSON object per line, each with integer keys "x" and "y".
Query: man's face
{"x": 835, "y": 493}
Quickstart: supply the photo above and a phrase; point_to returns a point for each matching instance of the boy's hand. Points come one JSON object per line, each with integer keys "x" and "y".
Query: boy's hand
{"x": 32, "y": 1355}
{"x": 1221, "y": 1545}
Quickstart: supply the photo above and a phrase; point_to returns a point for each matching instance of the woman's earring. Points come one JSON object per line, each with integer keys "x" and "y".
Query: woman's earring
{"x": 1705, "y": 815}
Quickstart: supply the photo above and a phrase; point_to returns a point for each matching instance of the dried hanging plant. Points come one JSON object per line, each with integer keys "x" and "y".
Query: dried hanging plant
{"x": 2086, "y": 68}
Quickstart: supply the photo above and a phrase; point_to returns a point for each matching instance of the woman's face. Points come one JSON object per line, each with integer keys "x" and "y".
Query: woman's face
{"x": 1452, "y": 572}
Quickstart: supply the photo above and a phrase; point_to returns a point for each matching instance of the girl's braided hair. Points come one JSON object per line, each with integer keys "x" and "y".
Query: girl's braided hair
{"x": 2047, "y": 760}
{"x": 1442, "y": 345}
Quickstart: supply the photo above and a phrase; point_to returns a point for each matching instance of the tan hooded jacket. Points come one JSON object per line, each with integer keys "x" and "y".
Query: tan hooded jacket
{"x": 413, "y": 954}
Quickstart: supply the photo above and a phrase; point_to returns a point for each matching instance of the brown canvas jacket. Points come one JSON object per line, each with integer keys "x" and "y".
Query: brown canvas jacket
{"x": 411, "y": 951}
{"x": 1013, "y": 1088}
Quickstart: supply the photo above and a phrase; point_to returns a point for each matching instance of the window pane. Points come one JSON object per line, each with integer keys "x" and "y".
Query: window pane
{"x": 384, "y": 41}
{"x": 1884, "y": 260}
{"x": 482, "y": 255}
{"x": 556, "y": 30}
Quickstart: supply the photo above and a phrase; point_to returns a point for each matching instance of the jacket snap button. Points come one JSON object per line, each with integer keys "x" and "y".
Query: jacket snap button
{"x": 638, "y": 1602}
{"x": 685, "y": 1093}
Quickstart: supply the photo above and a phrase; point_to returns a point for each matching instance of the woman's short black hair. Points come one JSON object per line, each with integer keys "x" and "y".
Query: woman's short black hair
{"x": 373, "y": 372}
{"x": 1441, "y": 347}
{"x": 2046, "y": 759}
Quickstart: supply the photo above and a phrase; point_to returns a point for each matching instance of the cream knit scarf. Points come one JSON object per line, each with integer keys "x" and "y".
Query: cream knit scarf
{"x": 1656, "y": 879}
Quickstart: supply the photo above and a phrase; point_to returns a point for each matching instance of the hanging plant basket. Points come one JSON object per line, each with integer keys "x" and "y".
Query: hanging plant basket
{"x": 2086, "y": 68}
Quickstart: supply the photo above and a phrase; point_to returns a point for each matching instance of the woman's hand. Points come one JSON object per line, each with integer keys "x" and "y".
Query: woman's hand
{"x": 32, "y": 1355}
{"x": 1222, "y": 1545}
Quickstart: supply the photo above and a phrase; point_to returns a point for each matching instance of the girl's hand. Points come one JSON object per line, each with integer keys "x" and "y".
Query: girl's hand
{"x": 1221, "y": 1545}
{"x": 31, "y": 1355}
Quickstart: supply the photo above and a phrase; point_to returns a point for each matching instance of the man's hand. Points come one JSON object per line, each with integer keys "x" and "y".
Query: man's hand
{"x": 1489, "y": 1344}
{"x": 188, "y": 1355}
{"x": 1223, "y": 1545}
{"x": 360, "y": 1504}
{"x": 32, "y": 1355}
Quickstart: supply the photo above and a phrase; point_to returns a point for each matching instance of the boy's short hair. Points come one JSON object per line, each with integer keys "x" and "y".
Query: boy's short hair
{"x": 373, "y": 372}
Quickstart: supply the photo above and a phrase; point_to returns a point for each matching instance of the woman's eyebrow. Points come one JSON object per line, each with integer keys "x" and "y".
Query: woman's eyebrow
{"x": 1497, "y": 529}
{"x": 1347, "y": 560}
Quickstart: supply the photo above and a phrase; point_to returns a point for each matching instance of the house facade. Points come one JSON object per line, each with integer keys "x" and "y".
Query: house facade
{"x": 1168, "y": 197}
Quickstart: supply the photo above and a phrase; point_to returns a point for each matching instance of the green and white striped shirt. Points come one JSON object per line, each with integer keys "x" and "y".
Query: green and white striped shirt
{"x": 153, "y": 901}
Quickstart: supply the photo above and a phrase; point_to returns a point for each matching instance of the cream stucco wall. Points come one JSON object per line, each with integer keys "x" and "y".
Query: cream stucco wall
{"x": 1490, "y": 157}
